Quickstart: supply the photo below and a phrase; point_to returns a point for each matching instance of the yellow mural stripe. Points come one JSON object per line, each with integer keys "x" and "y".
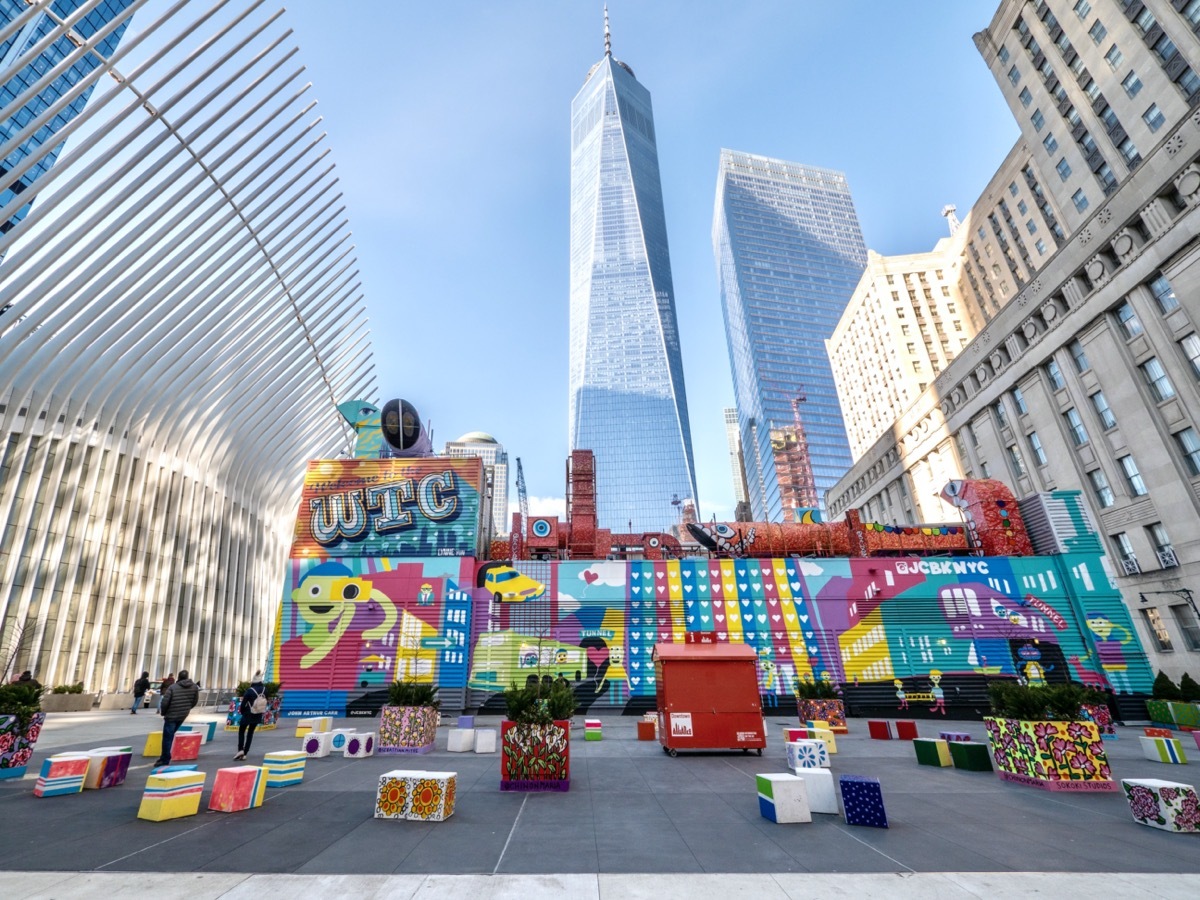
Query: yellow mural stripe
{"x": 791, "y": 620}
{"x": 675, "y": 593}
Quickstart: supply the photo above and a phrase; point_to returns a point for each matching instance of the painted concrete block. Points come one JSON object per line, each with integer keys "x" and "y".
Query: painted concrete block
{"x": 1186, "y": 715}
{"x": 906, "y": 729}
{"x": 932, "y": 751}
{"x": 171, "y": 795}
{"x": 460, "y": 740}
{"x": 970, "y": 756}
{"x": 485, "y": 740}
{"x": 1196, "y": 738}
{"x": 824, "y": 734}
{"x": 317, "y": 743}
{"x": 284, "y": 767}
{"x": 954, "y": 735}
{"x": 360, "y": 745}
{"x": 862, "y": 801}
{"x": 466, "y": 722}
{"x": 107, "y": 767}
{"x": 313, "y": 724}
{"x": 153, "y": 745}
{"x": 648, "y": 731}
{"x": 822, "y": 796}
{"x": 817, "y": 723}
{"x": 1168, "y": 805}
{"x": 593, "y": 734}
{"x": 62, "y": 774}
{"x": 186, "y": 746}
{"x": 184, "y": 767}
{"x": 190, "y": 728}
{"x": 237, "y": 788}
{"x": 208, "y": 730}
{"x": 1164, "y": 750}
{"x": 1160, "y": 711}
{"x": 416, "y": 795}
{"x": 880, "y": 729}
{"x": 795, "y": 734}
{"x": 782, "y": 798}
{"x": 337, "y": 741}
{"x": 807, "y": 754}
{"x": 1159, "y": 732}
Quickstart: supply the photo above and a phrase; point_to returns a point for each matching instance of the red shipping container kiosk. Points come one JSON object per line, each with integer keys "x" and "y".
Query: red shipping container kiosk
{"x": 708, "y": 696}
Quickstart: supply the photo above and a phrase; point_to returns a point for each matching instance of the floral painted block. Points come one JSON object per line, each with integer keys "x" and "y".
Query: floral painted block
{"x": 782, "y": 799}
{"x": 832, "y": 712}
{"x": 284, "y": 767}
{"x": 1164, "y": 750}
{"x": 535, "y": 757}
{"x": 171, "y": 795}
{"x": 407, "y": 729}
{"x": 186, "y": 745}
{"x": 1100, "y": 714}
{"x": 16, "y": 743}
{"x": 238, "y": 788}
{"x": 1052, "y": 755}
{"x": 360, "y": 745}
{"x": 62, "y": 774}
{"x": 416, "y": 795}
{"x": 808, "y": 754}
{"x": 107, "y": 767}
{"x": 862, "y": 801}
{"x": 317, "y": 744}
{"x": 233, "y": 715}
{"x": 1163, "y": 804}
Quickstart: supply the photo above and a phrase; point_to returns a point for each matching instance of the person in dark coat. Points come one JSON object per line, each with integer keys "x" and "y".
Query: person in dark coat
{"x": 177, "y": 702}
{"x": 139, "y": 691}
{"x": 249, "y": 718}
{"x": 162, "y": 688}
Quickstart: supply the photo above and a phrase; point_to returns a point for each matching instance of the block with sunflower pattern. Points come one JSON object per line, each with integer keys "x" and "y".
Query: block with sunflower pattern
{"x": 416, "y": 795}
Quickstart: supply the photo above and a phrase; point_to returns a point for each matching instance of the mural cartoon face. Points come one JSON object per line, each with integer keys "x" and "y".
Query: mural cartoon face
{"x": 327, "y": 598}
{"x": 615, "y": 655}
{"x": 425, "y": 595}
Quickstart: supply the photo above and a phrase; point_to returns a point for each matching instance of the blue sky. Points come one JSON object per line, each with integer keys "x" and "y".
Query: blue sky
{"x": 449, "y": 123}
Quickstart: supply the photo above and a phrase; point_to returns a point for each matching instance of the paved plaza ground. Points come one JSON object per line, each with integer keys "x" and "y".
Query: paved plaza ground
{"x": 631, "y": 811}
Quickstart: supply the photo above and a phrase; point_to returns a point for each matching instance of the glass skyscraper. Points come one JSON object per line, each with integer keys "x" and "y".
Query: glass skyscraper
{"x": 627, "y": 400}
{"x": 789, "y": 254}
{"x": 27, "y": 55}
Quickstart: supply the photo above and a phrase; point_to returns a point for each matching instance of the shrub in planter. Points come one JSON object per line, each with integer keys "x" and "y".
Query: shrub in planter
{"x": 1189, "y": 688}
{"x": 408, "y": 722}
{"x": 1036, "y": 738}
{"x": 1165, "y": 689}
{"x": 21, "y": 720}
{"x": 535, "y": 738}
{"x": 821, "y": 700}
{"x": 274, "y": 691}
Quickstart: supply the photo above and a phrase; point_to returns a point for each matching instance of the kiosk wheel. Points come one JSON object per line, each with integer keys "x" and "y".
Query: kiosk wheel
{"x": 673, "y": 752}
{"x": 759, "y": 751}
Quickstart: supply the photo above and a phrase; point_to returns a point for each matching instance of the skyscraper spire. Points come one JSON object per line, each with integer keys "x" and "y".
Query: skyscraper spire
{"x": 607, "y": 34}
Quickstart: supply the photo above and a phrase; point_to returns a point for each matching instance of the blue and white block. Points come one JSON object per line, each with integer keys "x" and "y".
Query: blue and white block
{"x": 807, "y": 754}
{"x": 862, "y": 801}
{"x": 337, "y": 743}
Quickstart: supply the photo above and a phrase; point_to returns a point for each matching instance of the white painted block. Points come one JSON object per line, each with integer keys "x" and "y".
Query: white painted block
{"x": 822, "y": 797}
{"x": 461, "y": 740}
{"x": 485, "y": 740}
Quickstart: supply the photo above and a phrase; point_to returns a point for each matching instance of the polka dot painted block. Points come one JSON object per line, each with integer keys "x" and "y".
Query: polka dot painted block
{"x": 807, "y": 754}
{"x": 822, "y": 796}
{"x": 284, "y": 767}
{"x": 1163, "y": 804}
{"x": 862, "y": 801}
{"x": 783, "y": 799}
{"x": 317, "y": 744}
{"x": 360, "y": 745}
{"x": 824, "y": 734}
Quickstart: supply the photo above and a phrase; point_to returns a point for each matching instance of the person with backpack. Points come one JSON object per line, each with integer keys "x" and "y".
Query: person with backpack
{"x": 177, "y": 702}
{"x": 139, "y": 691}
{"x": 254, "y": 706}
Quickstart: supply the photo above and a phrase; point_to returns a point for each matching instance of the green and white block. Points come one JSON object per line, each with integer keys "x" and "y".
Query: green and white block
{"x": 783, "y": 798}
{"x": 1164, "y": 750}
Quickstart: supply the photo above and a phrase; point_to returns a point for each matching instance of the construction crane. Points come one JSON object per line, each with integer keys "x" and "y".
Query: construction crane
{"x": 523, "y": 499}
{"x": 803, "y": 484}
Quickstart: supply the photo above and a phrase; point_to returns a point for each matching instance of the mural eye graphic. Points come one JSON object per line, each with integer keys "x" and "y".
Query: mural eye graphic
{"x": 723, "y": 530}
{"x": 349, "y": 592}
{"x": 314, "y": 590}
{"x": 541, "y": 528}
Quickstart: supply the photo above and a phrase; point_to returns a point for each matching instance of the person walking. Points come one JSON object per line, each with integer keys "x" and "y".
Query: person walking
{"x": 162, "y": 688}
{"x": 254, "y": 706}
{"x": 177, "y": 702}
{"x": 139, "y": 692}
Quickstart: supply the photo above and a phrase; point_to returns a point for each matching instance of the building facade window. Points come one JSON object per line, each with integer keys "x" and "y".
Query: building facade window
{"x": 1161, "y": 542}
{"x": 1100, "y": 487}
{"x": 1025, "y": 97}
{"x": 1019, "y": 401}
{"x": 1012, "y": 188}
{"x": 1125, "y": 554}
{"x": 1003, "y": 54}
{"x": 1014, "y": 456}
{"x": 1035, "y": 445}
{"x": 1189, "y": 445}
{"x": 1157, "y": 379}
{"x": 1100, "y": 404}
{"x": 1079, "y": 435}
{"x": 1130, "y": 324}
{"x": 1082, "y": 9}
{"x": 1014, "y": 75}
{"x": 1132, "y": 84}
{"x": 1054, "y": 374}
{"x": 1050, "y": 143}
{"x": 1022, "y": 207}
{"x": 1191, "y": 349}
{"x": 1098, "y": 32}
{"x": 1040, "y": 246}
{"x": 1078, "y": 355}
{"x": 1064, "y": 172}
{"x": 1079, "y": 198}
{"x": 1001, "y": 415}
{"x": 1164, "y": 294}
{"x": 1129, "y": 152}
{"x": 1114, "y": 57}
{"x": 1185, "y": 621}
{"x": 1154, "y": 624}
{"x": 1133, "y": 478}
{"x": 1108, "y": 181}
{"x": 1153, "y": 117}
{"x": 1038, "y": 120}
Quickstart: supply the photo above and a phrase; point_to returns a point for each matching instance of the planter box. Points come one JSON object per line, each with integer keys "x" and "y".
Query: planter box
{"x": 233, "y": 716}
{"x": 830, "y": 711}
{"x": 1159, "y": 711}
{"x": 16, "y": 746}
{"x": 1099, "y": 714}
{"x": 1185, "y": 715}
{"x": 1054, "y": 756}
{"x": 71, "y": 702}
{"x": 535, "y": 757}
{"x": 407, "y": 729}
